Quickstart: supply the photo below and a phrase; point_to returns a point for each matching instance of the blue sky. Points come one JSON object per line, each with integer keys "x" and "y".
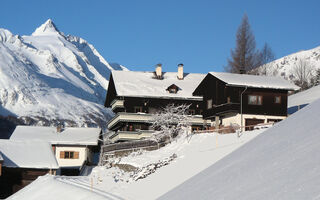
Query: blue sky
{"x": 139, "y": 34}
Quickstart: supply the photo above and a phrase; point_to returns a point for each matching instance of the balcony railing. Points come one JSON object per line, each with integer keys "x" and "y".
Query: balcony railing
{"x": 147, "y": 118}
{"x": 117, "y": 103}
{"x": 223, "y": 109}
{"x": 130, "y": 135}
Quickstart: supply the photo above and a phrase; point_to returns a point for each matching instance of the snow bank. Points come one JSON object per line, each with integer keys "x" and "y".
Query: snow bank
{"x": 304, "y": 97}
{"x": 282, "y": 163}
{"x": 57, "y": 188}
{"x": 192, "y": 155}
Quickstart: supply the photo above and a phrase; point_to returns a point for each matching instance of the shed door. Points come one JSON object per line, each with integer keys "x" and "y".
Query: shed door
{"x": 252, "y": 122}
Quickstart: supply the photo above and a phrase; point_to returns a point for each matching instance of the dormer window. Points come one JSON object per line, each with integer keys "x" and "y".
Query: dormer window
{"x": 173, "y": 89}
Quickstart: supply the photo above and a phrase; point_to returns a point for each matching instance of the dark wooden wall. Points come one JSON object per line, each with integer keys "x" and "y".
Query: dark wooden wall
{"x": 219, "y": 92}
{"x": 14, "y": 179}
{"x": 146, "y": 103}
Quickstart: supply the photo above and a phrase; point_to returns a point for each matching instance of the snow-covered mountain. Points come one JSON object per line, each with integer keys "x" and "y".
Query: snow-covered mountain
{"x": 49, "y": 77}
{"x": 284, "y": 66}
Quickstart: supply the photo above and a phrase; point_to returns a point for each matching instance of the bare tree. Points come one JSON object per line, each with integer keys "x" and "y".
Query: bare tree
{"x": 245, "y": 57}
{"x": 302, "y": 71}
{"x": 170, "y": 122}
{"x": 266, "y": 56}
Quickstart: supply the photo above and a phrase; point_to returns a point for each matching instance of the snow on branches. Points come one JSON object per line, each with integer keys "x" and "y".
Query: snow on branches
{"x": 170, "y": 122}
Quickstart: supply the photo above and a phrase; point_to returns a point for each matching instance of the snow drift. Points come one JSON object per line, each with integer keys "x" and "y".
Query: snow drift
{"x": 281, "y": 163}
{"x": 49, "y": 77}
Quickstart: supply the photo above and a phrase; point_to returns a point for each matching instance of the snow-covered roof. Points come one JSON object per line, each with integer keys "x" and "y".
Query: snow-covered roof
{"x": 60, "y": 188}
{"x": 68, "y": 136}
{"x": 304, "y": 97}
{"x": 285, "y": 156}
{"x": 143, "y": 84}
{"x": 254, "y": 81}
{"x": 1, "y": 159}
{"x": 28, "y": 154}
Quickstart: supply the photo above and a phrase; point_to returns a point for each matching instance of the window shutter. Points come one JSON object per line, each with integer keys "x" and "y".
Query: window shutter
{"x": 61, "y": 154}
{"x": 76, "y": 155}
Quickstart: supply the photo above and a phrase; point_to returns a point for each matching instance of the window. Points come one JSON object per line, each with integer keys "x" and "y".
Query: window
{"x": 277, "y": 99}
{"x": 192, "y": 112}
{"x": 172, "y": 90}
{"x": 228, "y": 100}
{"x": 209, "y": 103}
{"x": 137, "y": 109}
{"x": 69, "y": 154}
{"x": 254, "y": 100}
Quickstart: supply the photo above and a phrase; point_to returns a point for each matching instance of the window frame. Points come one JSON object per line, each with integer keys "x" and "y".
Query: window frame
{"x": 137, "y": 107}
{"x": 209, "y": 104}
{"x": 275, "y": 99}
{"x": 69, "y": 154}
{"x": 257, "y": 102}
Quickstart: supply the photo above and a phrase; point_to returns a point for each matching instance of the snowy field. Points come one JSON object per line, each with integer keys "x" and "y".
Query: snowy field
{"x": 145, "y": 174}
{"x": 282, "y": 163}
{"x": 182, "y": 159}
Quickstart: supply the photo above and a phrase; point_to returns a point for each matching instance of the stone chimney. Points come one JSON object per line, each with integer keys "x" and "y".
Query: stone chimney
{"x": 180, "y": 71}
{"x": 159, "y": 71}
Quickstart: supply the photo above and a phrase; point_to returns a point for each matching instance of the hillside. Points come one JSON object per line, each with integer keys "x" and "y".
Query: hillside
{"x": 281, "y": 163}
{"x": 150, "y": 174}
{"x": 48, "y": 77}
{"x": 284, "y": 66}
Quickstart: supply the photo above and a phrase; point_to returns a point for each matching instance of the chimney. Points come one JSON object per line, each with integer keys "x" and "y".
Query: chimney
{"x": 180, "y": 71}
{"x": 159, "y": 71}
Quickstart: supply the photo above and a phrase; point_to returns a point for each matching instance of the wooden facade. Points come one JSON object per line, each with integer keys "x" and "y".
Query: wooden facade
{"x": 223, "y": 100}
{"x": 14, "y": 179}
{"x": 148, "y": 105}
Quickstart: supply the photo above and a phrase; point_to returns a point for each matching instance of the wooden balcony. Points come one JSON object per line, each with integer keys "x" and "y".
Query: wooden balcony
{"x": 147, "y": 118}
{"x": 117, "y": 103}
{"x": 222, "y": 109}
{"x": 130, "y": 135}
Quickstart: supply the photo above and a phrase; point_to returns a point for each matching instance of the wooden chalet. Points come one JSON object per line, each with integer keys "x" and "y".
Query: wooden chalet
{"x": 22, "y": 162}
{"x": 243, "y": 99}
{"x": 135, "y": 96}
{"x": 72, "y": 147}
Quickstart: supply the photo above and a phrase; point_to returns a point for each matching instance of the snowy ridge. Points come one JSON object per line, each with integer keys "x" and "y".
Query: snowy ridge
{"x": 284, "y": 66}
{"x": 50, "y": 77}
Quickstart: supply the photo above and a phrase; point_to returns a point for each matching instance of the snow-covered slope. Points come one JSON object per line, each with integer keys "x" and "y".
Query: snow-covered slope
{"x": 281, "y": 163}
{"x": 304, "y": 97}
{"x": 284, "y": 66}
{"x": 149, "y": 174}
{"x": 59, "y": 188}
{"x": 50, "y": 77}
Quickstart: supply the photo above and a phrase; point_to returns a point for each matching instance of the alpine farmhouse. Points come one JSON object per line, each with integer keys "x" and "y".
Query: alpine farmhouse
{"x": 216, "y": 99}
{"x": 135, "y": 96}
{"x": 245, "y": 100}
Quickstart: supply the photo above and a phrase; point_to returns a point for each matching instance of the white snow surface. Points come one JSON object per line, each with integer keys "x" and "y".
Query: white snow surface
{"x": 304, "y": 97}
{"x": 143, "y": 84}
{"x": 59, "y": 188}
{"x": 193, "y": 154}
{"x": 52, "y": 76}
{"x": 27, "y": 154}
{"x": 284, "y": 66}
{"x": 69, "y": 135}
{"x": 281, "y": 163}
{"x": 254, "y": 81}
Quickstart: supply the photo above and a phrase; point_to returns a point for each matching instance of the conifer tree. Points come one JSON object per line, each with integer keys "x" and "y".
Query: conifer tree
{"x": 245, "y": 56}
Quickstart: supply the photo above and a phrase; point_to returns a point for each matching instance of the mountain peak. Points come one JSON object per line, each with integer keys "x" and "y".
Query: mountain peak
{"x": 47, "y": 28}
